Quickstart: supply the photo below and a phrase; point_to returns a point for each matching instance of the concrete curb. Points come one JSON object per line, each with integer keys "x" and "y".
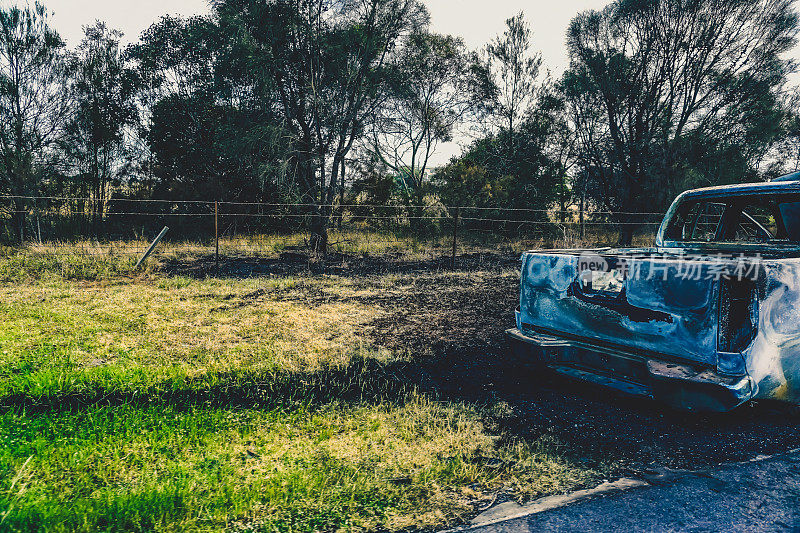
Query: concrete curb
{"x": 512, "y": 510}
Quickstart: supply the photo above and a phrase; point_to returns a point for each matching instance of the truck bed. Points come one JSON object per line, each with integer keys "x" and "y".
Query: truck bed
{"x": 637, "y": 319}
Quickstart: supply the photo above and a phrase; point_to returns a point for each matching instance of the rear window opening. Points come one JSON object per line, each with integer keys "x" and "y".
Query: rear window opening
{"x": 764, "y": 219}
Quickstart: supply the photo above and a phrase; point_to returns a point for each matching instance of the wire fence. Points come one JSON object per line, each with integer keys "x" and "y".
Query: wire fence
{"x": 226, "y": 230}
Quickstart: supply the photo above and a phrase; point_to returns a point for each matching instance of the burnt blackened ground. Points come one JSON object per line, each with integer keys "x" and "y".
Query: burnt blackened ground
{"x": 298, "y": 263}
{"x": 451, "y": 326}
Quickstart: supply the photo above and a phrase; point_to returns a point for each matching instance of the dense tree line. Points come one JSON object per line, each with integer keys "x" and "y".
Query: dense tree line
{"x": 325, "y": 102}
{"x": 669, "y": 94}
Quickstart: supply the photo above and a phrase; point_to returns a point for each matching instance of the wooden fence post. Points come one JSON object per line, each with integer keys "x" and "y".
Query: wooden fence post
{"x": 455, "y": 239}
{"x": 216, "y": 236}
{"x": 583, "y": 222}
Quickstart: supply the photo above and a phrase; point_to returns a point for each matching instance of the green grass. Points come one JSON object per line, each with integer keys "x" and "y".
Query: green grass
{"x": 141, "y": 468}
{"x": 142, "y": 402}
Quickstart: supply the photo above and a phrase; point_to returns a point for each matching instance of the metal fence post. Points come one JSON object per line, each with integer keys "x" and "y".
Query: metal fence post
{"x": 455, "y": 238}
{"x": 151, "y": 247}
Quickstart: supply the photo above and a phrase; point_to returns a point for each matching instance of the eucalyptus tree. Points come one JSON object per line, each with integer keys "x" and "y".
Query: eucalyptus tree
{"x": 673, "y": 93}
{"x": 524, "y": 154}
{"x": 326, "y": 63}
{"x": 176, "y": 56}
{"x": 436, "y": 84}
{"x": 210, "y": 133}
{"x": 104, "y": 92}
{"x": 483, "y": 176}
{"x": 34, "y": 104}
{"x": 176, "y": 60}
{"x": 515, "y": 70}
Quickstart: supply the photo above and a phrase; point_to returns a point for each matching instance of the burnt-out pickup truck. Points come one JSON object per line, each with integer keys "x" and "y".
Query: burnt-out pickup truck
{"x": 707, "y": 319}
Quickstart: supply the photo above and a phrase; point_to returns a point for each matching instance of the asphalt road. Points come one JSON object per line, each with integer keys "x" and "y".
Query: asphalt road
{"x": 762, "y": 495}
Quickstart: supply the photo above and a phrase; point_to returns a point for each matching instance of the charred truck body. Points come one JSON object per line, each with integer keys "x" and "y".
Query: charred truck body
{"x": 707, "y": 319}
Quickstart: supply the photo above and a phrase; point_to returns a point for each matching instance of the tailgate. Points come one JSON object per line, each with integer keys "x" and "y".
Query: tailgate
{"x": 652, "y": 305}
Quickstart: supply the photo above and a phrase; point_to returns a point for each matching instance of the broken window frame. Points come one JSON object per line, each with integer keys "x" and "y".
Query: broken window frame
{"x": 731, "y": 219}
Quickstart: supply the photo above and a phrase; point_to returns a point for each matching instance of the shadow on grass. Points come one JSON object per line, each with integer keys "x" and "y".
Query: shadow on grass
{"x": 362, "y": 381}
{"x": 594, "y": 425}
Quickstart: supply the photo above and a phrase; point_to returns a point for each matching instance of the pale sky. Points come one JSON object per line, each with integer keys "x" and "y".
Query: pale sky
{"x": 479, "y": 21}
{"x": 476, "y": 21}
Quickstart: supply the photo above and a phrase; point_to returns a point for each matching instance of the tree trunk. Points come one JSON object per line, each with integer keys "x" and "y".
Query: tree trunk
{"x": 626, "y": 234}
{"x": 95, "y": 224}
{"x": 634, "y": 199}
{"x": 319, "y": 231}
{"x": 341, "y": 197}
{"x": 417, "y": 211}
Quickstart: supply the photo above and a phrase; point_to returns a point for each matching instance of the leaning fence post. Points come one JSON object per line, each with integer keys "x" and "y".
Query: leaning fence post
{"x": 216, "y": 236}
{"x": 151, "y": 247}
{"x": 455, "y": 238}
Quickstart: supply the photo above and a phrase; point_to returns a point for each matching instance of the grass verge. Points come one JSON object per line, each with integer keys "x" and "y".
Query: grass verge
{"x": 262, "y": 404}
